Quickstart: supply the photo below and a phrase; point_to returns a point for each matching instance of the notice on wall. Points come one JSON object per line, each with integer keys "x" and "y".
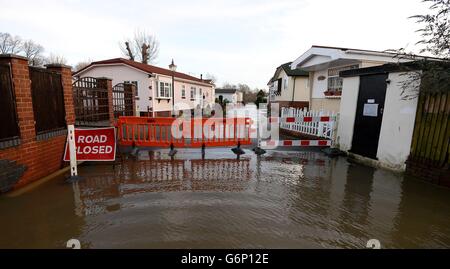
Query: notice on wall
{"x": 370, "y": 110}
{"x": 97, "y": 144}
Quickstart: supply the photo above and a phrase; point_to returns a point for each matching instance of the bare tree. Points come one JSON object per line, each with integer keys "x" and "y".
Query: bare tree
{"x": 227, "y": 85}
{"x": 55, "y": 59}
{"x": 436, "y": 30}
{"x": 33, "y": 52}
{"x": 83, "y": 64}
{"x": 143, "y": 47}
{"x": 211, "y": 77}
{"x": 10, "y": 44}
{"x": 127, "y": 51}
{"x": 424, "y": 74}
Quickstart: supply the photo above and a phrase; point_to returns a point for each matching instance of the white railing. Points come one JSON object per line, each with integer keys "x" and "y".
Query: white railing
{"x": 318, "y": 129}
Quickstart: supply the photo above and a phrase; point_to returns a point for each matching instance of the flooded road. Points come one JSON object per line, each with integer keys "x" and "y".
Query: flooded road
{"x": 284, "y": 199}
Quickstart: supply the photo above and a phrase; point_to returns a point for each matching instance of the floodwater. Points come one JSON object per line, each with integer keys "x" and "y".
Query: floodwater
{"x": 284, "y": 199}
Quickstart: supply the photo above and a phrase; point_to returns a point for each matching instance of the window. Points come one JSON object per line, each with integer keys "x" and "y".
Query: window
{"x": 334, "y": 81}
{"x": 183, "y": 91}
{"x": 193, "y": 92}
{"x": 165, "y": 90}
{"x": 200, "y": 94}
{"x": 278, "y": 85}
{"x": 285, "y": 84}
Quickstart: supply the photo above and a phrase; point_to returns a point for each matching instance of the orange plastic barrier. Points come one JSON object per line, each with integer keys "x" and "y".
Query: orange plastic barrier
{"x": 161, "y": 132}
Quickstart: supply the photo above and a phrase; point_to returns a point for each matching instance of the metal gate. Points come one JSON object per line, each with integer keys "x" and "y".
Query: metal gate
{"x": 299, "y": 119}
{"x": 91, "y": 103}
{"x": 123, "y": 96}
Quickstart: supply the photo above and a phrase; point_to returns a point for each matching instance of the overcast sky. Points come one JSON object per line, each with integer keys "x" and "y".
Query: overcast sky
{"x": 237, "y": 41}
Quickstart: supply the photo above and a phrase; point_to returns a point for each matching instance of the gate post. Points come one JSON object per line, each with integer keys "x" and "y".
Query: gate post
{"x": 129, "y": 87}
{"x": 106, "y": 83}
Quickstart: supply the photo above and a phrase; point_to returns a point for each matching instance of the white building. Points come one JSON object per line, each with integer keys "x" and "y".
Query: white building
{"x": 376, "y": 124}
{"x": 289, "y": 87}
{"x": 324, "y": 65}
{"x": 154, "y": 85}
{"x": 233, "y": 96}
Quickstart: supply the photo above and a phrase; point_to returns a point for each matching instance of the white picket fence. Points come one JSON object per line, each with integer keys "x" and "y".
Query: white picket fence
{"x": 318, "y": 129}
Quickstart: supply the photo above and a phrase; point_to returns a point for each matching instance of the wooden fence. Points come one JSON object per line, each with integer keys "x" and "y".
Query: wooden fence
{"x": 48, "y": 100}
{"x": 9, "y": 132}
{"x": 431, "y": 138}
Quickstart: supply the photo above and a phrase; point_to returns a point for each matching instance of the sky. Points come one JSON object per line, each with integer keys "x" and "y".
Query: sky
{"x": 236, "y": 41}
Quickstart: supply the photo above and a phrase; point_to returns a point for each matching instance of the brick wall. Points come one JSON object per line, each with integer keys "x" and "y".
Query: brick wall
{"x": 426, "y": 170}
{"x": 36, "y": 158}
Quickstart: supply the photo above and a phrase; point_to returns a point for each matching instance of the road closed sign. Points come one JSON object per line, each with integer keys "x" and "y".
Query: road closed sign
{"x": 96, "y": 144}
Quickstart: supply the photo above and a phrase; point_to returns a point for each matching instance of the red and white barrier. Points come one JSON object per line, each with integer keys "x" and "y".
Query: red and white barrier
{"x": 296, "y": 143}
{"x": 302, "y": 119}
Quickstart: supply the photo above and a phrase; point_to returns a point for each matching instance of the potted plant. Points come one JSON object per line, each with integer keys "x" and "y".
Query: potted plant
{"x": 328, "y": 93}
{"x": 338, "y": 93}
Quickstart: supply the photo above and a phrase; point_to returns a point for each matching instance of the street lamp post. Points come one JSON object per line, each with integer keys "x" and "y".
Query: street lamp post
{"x": 173, "y": 68}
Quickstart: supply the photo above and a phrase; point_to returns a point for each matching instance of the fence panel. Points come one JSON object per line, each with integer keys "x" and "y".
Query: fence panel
{"x": 431, "y": 136}
{"x": 48, "y": 100}
{"x": 150, "y": 132}
{"x": 8, "y": 116}
{"x": 318, "y": 129}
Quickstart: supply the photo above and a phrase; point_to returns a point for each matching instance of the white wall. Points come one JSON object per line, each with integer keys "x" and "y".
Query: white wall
{"x": 229, "y": 96}
{"x": 397, "y": 124}
{"x": 319, "y": 86}
{"x": 347, "y": 113}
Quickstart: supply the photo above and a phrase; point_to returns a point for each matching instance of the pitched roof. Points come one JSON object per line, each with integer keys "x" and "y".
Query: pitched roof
{"x": 151, "y": 69}
{"x": 290, "y": 72}
{"x": 222, "y": 90}
{"x": 294, "y": 72}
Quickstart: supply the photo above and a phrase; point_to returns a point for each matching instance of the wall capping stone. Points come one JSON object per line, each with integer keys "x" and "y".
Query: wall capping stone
{"x": 13, "y": 56}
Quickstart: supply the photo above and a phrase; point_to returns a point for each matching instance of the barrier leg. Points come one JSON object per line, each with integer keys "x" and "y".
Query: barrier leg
{"x": 172, "y": 151}
{"x": 258, "y": 150}
{"x": 203, "y": 151}
{"x": 73, "y": 155}
{"x": 237, "y": 150}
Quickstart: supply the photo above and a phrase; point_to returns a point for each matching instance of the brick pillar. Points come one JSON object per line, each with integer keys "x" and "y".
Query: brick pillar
{"x": 22, "y": 91}
{"x": 132, "y": 87}
{"x": 106, "y": 83}
{"x": 66, "y": 79}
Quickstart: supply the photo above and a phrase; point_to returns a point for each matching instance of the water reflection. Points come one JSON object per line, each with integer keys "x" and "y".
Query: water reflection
{"x": 282, "y": 199}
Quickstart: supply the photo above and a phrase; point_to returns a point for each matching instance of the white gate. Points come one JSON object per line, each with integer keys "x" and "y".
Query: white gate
{"x": 314, "y": 128}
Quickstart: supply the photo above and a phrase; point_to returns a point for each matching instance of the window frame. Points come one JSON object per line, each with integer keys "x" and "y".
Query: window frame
{"x": 183, "y": 91}
{"x": 333, "y": 75}
{"x": 193, "y": 92}
{"x": 164, "y": 90}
